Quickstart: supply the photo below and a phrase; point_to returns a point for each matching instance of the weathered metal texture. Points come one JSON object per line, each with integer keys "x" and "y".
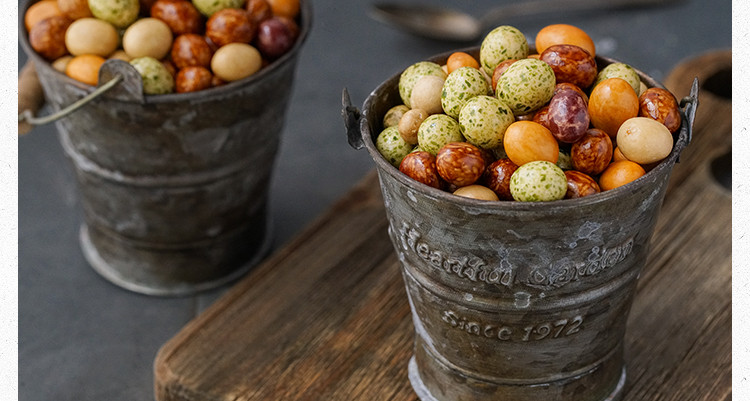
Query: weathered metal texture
{"x": 174, "y": 187}
{"x": 510, "y": 300}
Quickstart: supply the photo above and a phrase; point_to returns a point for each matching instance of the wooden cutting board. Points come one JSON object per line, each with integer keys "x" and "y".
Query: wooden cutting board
{"x": 326, "y": 317}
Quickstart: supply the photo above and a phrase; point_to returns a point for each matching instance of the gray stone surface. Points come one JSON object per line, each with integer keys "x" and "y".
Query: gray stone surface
{"x": 82, "y": 338}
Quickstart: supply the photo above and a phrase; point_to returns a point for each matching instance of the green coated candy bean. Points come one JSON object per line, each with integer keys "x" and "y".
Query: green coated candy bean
{"x": 460, "y": 86}
{"x": 483, "y": 121}
{"x": 539, "y": 181}
{"x": 436, "y": 131}
{"x": 392, "y": 146}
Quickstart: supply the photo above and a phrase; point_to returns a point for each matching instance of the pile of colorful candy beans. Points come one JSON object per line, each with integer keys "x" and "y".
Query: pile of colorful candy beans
{"x": 176, "y": 45}
{"x": 512, "y": 125}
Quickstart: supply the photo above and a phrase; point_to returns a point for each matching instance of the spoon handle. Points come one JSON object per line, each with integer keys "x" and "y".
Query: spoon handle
{"x": 523, "y": 8}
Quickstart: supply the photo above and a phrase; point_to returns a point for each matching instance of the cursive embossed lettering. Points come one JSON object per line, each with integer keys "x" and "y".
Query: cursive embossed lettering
{"x": 465, "y": 266}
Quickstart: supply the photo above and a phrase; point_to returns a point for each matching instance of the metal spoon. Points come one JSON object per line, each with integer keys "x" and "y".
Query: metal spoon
{"x": 451, "y": 25}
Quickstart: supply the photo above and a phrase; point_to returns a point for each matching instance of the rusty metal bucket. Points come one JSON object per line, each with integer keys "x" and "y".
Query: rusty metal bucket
{"x": 174, "y": 187}
{"x": 512, "y": 300}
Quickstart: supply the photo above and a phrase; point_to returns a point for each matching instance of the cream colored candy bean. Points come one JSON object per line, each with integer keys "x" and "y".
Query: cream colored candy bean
{"x": 408, "y": 126}
{"x": 91, "y": 36}
{"x": 644, "y": 140}
{"x": 61, "y": 63}
{"x": 477, "y": 192}
{"x": 147, "y": 37}
{"x": 393, "y": 115}
{"x": 120, "y": 55}
{"x": 235, "y": 61}
{"x": 426, "y": 94}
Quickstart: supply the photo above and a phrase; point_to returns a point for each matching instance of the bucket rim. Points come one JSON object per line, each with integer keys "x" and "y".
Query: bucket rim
{"x": 305, "y": 23}
{"x": 681, "y": 140}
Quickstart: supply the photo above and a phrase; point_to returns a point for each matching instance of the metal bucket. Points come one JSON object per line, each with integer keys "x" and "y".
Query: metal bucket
{"x": 512, "y": 300}
{"x": 174, "y": 187}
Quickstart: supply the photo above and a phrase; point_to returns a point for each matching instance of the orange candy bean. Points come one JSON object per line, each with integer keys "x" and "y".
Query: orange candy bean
{"x": 527, "y": 141}
{"x": 611, "y": 103}
{"x": 85, "y": 68}
{"x": 460, "y": 59}
{"x": 620, "y": 173}
{"x": 558, "y": 34}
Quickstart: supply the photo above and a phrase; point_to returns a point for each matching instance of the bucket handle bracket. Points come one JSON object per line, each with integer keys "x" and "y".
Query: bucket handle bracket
{"x": 111, "y": 73}
{"x": 690, "y": 104}
{"x": 352, "y": 117}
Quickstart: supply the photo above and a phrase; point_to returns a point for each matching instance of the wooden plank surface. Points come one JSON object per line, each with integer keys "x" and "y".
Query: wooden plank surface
{"x": 326, "y": 317}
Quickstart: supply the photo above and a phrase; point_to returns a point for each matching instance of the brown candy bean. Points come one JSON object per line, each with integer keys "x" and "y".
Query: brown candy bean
{"x": 191, "y": 50}
{"x": 661, "y": 105}
{"x": 571, "y": 64}
{"x": 258, "y": 11}
{"x": 568, "y": 116}
{"x": 592, "y": 153}
{"x": 169, "y": 65}
{"x": 40, "y": 11}
{"x": 47, "y": 37}
{"x": 420, "y": 166}
{"x": 460, "y": 163}
{"x": 230, "y": 25}
{"x": 580, "y": 185}
{"x": 191, "y": 79}
{"x": 497, "y": 177}
{"x": 74, "y": 9}
{"x": 181, "y": 16}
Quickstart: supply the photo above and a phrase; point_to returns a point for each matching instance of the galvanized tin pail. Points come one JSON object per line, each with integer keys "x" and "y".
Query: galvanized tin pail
{"x": 516, "y": 301}
{"x": 174, "y": 187}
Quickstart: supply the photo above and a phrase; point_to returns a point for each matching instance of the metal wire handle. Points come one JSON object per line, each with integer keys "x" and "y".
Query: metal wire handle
{"x": 28, "y": 117}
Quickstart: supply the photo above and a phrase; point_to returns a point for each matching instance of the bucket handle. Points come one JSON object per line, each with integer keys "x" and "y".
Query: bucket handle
{"x": 352, "y": 117}
{"x": 31, "y": 95}
{"x": 690, "y": 104}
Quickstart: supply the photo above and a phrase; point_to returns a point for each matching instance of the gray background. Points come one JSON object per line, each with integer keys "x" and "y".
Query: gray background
{"x": 82, "y": 338}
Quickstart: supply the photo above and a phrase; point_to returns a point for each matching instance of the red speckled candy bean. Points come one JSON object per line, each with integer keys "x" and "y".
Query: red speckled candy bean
{"x": 421, "y": 167}
{"x": 592, "y": 153}
{"x": 192, "y": 79}
{"x": 181, "y": 16}
{"x": 660, "y": 104}
{"x": 564, "y": 86}
{"x": 571, "y": 64}
{"x": 460, "y": 163}
{"x": 191, "y": 50}
{"x": 47, "y": 37}
{"x": 230, "y": 25}
{"x": 580, "y": 185}
{"x": 568, "y": 116}
{"x": 497, "y": 178}
{"x": 258, "y": 11}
